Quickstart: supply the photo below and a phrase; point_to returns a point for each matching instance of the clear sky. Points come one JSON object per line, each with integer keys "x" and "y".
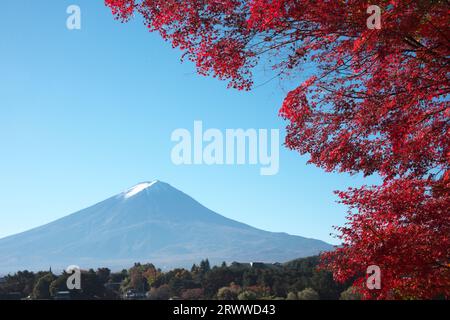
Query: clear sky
{"x": 85, "y": 114}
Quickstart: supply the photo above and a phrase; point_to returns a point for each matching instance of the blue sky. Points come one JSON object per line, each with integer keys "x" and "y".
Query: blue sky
{"x": 86, "y": 114}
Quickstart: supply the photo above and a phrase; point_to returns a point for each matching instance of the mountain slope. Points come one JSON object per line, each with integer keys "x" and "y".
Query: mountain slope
{"x": 150, "y": 222}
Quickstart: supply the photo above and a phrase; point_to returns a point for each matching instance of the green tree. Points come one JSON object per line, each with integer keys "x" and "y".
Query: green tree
{"x": 350, "y": 294}
{"x": 92, "y": 286}
{"x": 182, "y": 280}
{"x": 247, "y": 295}
{"x": 205, "y": 266}
{"x": 291, "y": 296}
{"x": 192, "y": 294}
{"x": 118, "y": 277}
{"x": 324, "y": 284}
{"x": 308, "y": 294}
{"x": 216, "y": 279}
{"x": 103, "y": 275}
{"x": 227, "y": 293}
{"x": 22, "y": 282}
{"x": 140, "y": 277}
{"x": 160, "y": 293}
{"x": 42, "y": 288}
{"x": 59, "y": 284}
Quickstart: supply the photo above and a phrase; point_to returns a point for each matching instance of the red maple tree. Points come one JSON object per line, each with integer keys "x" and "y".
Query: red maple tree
{"x": 377, "y": 104}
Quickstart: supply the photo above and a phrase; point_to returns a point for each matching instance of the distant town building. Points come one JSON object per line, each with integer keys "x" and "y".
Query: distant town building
{"x": 113, "y": 286}
{"x": 278, "y": 264}
{"x": 134, "y": 295}
{"x": 239, "y": 264}
{"x": 258, "y": 265}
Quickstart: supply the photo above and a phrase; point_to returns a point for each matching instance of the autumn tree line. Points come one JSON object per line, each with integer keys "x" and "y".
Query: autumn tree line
{"x": 296, "y": 280}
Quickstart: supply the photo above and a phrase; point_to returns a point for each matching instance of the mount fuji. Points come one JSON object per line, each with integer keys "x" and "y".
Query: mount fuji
{"x": 150, "y": 222}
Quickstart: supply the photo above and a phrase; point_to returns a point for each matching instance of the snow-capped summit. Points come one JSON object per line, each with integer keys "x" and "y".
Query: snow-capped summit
{"x": 150, "y": 222}
{"x": 138, "y": 188}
